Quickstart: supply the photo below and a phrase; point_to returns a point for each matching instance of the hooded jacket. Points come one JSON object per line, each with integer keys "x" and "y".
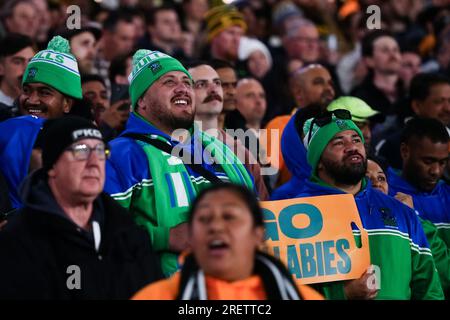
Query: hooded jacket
{"x": 17, "y": 139}
{"x": 43, "y": 252}
{"x": 294, "y": 154}
{"x": 397, "y": 245}
{"x": 433, "y": 206}
{"x": 397, "y": 241}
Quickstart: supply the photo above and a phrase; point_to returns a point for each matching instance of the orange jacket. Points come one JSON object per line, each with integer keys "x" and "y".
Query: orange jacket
{"x": 248, "y": 289}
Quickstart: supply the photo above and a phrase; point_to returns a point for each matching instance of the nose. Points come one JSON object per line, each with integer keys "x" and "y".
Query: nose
{"x": 436, "y": 170}
{"x": 32, "y": 98}
{"x": 215, "y": 225}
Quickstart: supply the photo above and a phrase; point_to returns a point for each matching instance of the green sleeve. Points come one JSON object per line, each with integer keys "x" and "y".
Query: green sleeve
{"x": 159, "y": 236}
{"x": 425, "y": 284}
{"x": 440, "y": 251}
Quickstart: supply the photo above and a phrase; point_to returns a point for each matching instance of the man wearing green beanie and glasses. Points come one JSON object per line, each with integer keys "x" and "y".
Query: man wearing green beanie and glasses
{"x": 50, "y": 86}
{"x": 398, "y": 246}
{"x": 151, "y": 172}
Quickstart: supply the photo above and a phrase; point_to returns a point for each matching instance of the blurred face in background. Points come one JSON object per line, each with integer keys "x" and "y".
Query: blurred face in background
{"x": 409, "y": 67}
{"x": 251, "y": 100}
{"x": 258, "y": 64}
{"x": 386, "y": 57}
{"x": 12, "y": 68}
{"x": 84, "y": 48}
{"x": 303, "y": 44}
{"x": 196, "y": 9}
{"x": 119, "y": 42}
{"x": 23, "y": 20}
{"x": 313, "y": 85}
{"x": 229, "y": 82}
{"x": 424, "y": 162}
{"x": 436, "y": 105}
{"x": 167, "y": 26}
{"x": 226, "y": 44}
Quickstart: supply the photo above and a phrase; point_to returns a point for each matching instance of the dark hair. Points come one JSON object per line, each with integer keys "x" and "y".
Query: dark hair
{"x": 13, "y": 43}
{"x": 384, "y": 165}
{"x": 114, "y": 18}
{"x": 150, "y": 18}
{"x": 370, "y": 38}
{"x": 425, "y": 128}
{"x": 118, "y": 66}
{"x": 422, "y": 83}
{"x": 92, "y": 77}
{"x": 220, "y": 64}
{"x": 196, "y": 63}
{"x": 8, "y": 8}
{"x": 246, "y": 195}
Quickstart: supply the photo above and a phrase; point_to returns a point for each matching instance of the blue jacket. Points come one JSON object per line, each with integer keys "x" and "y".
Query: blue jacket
{"x": 128, "y": 164}
{"x": 397, "y": 243}
{"x": 433, "y": 206}
{"x": 294, "y": 155}
{"x": 17, "y": 138}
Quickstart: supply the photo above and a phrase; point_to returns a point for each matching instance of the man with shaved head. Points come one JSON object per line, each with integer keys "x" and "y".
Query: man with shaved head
{"x": 312, "y": 87}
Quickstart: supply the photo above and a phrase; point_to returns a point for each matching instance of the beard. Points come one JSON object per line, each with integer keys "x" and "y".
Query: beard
{"x": 169, "y": 120}
{"x": 346, "y": 174}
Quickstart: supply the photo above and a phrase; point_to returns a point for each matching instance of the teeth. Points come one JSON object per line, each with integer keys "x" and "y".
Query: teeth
{"x": 217, "y": 242}
{"x": 181, "y": 102}
{"x": 34, "y": 111}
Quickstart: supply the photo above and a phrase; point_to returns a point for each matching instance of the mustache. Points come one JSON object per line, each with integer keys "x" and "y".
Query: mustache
{"x": 354, "y": 153}
{"x": 213, "y": 97}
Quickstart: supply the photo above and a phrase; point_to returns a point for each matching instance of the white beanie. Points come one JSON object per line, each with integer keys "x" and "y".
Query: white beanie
{"x": 249, "y": 45}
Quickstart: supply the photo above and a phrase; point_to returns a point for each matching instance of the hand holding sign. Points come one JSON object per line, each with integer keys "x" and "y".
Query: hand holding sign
{"x": 314, "y": 237}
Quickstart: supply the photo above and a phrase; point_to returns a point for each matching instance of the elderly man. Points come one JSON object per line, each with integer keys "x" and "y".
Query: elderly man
{"x": 156, "y": 169}
{"x": 50, "y": 86}
{"x": 70, "y": 240}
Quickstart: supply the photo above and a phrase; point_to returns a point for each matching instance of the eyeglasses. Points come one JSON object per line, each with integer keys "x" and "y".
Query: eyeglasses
{"x": 83, "y": 151}
{"x": 326, "y": 117}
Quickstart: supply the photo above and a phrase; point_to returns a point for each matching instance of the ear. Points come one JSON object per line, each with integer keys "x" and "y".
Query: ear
{"x": 259, "y": 235}
{"x": 369, "y": 62}
{"x": 67, "y": 105}
{"x": 404, "y": 151}
{"x": 2, "y": 68}
{"x": 415, "y": 106}
{"x": 141, "y": 104}
{"x": 51, "y": 173}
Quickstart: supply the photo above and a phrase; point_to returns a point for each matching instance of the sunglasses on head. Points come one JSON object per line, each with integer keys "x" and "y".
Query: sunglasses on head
{"x": 326, "y": 117}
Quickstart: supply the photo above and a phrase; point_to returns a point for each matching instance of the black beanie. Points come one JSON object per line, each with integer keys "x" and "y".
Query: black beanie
{"x": 60, "y": 133}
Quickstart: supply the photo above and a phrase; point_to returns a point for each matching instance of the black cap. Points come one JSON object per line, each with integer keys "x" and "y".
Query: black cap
{"x": 60, "y": 133}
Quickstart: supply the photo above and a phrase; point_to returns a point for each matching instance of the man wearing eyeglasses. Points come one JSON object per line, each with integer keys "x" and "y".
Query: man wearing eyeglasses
{"x": 70, "y": 240}
{"x": 398, "y": 246}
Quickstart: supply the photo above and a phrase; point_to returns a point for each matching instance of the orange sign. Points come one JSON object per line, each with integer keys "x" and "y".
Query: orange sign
{"x": 314, "y": 238}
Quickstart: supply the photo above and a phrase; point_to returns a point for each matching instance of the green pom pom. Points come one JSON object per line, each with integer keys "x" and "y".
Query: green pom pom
{"x": 59, "y": 44}
{"x": 139, "y": 55}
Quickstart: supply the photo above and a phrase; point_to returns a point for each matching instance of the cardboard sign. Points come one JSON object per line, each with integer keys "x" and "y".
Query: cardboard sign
{"x": 314, "y": 238}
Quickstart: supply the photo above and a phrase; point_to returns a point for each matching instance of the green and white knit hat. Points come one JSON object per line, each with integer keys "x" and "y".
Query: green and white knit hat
{"x": 321, "y": 136}
{"x": 149, "y": 66}
{"x": 56, "y": 67}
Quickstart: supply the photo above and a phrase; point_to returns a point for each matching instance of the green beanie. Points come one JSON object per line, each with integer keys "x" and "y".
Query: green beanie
{"x": 321, "y": 136}
{"x": 149, "y": 66}
{"x": 56, "y": 67}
